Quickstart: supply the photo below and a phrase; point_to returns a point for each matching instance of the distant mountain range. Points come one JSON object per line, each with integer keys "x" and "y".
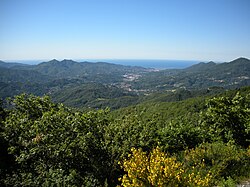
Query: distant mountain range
{"x": 241, "y": 64}
{"x": 203, "y": 75}
{"x": 72, "y": 82}
{"x": 71, "y": 69}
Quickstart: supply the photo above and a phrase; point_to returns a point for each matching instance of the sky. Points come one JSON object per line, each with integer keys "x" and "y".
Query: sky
{"x": 204, "y": 30}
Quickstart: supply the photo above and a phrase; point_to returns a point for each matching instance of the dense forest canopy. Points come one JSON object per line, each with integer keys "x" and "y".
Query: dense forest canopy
{"x": 47, "y": 144}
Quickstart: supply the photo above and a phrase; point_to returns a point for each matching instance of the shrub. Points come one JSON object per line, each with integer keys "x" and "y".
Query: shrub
{"x": 159, "y": 169}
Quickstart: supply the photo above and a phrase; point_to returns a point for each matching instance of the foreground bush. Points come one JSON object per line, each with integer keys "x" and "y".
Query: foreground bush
{"x": 206, "y": 165}
{"x": 53, "y": 145}
{"x": 228, "y": 119}
{"x": 159, "y": 169}
{"x": 221, "y": 160}
{"x": 47, "y": 144}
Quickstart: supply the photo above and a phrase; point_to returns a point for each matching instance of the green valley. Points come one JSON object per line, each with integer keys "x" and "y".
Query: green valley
{"x": 61, "y": 79}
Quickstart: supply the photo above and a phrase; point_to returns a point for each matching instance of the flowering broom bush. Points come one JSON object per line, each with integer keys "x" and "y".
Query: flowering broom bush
{"x": 159, "y": 169}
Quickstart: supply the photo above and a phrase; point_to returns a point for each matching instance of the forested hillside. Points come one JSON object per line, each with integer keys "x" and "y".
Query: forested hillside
{"x": 202, "y": 141}
{"x": 204, "y": 75}
{"x": 70, "y": 82}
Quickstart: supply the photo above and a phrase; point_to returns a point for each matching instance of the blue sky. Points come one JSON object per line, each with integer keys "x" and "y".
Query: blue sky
{"x": 124, "y": 29}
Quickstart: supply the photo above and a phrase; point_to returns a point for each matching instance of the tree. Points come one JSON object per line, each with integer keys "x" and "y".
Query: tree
{"x": 228, "y": 119}
{"x": 52, "y": 145}
{"x": 179, "y": 135}
{"x": 6, "y": 160}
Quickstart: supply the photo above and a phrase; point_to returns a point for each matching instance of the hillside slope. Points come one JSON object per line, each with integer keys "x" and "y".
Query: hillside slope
{"x": 233, "y": 74}
{"x": 85, "y": 84}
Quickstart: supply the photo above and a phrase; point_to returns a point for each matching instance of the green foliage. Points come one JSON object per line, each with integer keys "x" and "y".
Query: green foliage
{"x": 222, "y": 160}
{"x": 190, "y": 131}
{"x": 165, "y": 112}
{"x": 5, "y": 159}
{"x": 49, "y": 144}
{"x": 53, "y": 145}
{"x": 123, "y": 134}
{"x": 2, "y": 113}
{"x": 179, "y": 135}
{"x": 93, "y": 95}
{"x": 228, "y": 119}
{"x": 206, "y": 165}
{"x": 229, "y": 182}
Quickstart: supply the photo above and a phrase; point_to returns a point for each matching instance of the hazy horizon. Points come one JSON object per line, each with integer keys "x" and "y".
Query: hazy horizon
{"x": 114, "y": 59}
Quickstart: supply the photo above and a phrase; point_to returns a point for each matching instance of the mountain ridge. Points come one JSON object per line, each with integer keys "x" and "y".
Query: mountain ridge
{"x": 232, "y": 74}
{"x": 59, "y": 77}
{"x": 11, "y": 64}
{"x": 70, "y": 68}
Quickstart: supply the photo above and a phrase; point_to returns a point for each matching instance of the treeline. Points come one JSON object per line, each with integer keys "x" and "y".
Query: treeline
{"x": 194, "y": 142}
